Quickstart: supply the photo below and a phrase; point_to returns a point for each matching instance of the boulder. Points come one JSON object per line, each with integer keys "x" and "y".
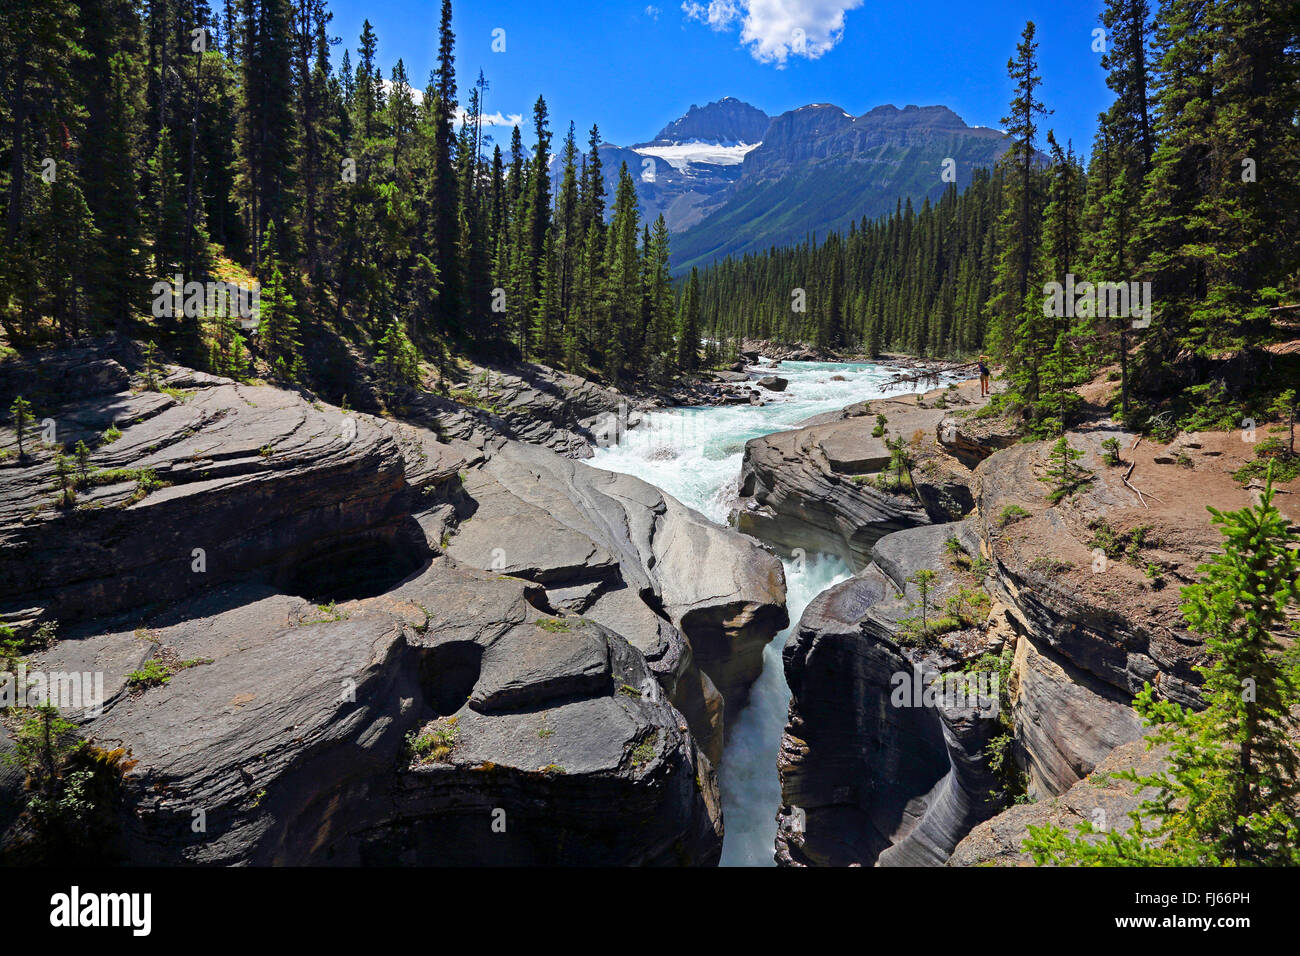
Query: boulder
{"x": 773, "y": 383}
{"x": 794, "y": 492}
{"x": 970, "y": 440}
{"x": 732, "y": 376}
{"x": 704, "y": 598}
{"x": 536, "y": 404}
{"x": 813, "y": 487}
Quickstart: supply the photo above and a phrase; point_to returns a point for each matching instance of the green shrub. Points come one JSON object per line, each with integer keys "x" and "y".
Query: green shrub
{"x": 158, "y": 671}
{"x": 1115, "y": 544}
{"x": 1010, "y": 514}
{"x": 152, "y": 674}
{"x": 1110, "y": 451}
{"x": 434, "y": 742}
{"x": 644, "y": 752}
{"x": 1271, "y": 451}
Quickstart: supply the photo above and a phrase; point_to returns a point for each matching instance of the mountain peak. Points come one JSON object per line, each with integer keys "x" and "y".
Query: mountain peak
{"x": 725, "y": 121}
{"x": 820, "y": 168}
{"x": 938, "y": 117}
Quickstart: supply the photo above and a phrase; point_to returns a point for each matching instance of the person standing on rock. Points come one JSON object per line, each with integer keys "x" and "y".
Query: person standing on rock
{"x": 984, "y": 376}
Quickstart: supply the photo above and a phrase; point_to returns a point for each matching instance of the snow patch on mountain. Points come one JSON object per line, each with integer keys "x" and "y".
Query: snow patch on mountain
{"x": 681, "y": 155}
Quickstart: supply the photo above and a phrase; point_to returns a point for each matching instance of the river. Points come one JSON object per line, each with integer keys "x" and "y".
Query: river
{"x": 694, "y": 454}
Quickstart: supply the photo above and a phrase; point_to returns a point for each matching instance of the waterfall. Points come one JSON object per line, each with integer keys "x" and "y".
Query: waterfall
{"x": 694, "y": 454}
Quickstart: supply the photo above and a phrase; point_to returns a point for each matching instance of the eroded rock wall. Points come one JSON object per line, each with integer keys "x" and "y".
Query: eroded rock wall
{"x": 321, "y": 627}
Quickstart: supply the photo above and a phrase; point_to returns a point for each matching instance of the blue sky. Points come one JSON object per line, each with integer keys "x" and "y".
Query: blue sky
{"x": 634, "y": 66}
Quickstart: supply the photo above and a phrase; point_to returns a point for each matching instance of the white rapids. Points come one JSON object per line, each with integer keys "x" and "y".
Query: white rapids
{"x": 694, "y": 454}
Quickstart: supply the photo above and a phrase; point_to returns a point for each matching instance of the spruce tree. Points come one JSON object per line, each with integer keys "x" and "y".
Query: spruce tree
{"x": 444, "y": 219}
{"x": 688, "y": 335}
{"x": 1064, "y": 475}
{"x": 21, "y": 412}
{"x": 1020, "y": 221}
{"x": 398, "y": 362}
{"x": 278, "y": 327}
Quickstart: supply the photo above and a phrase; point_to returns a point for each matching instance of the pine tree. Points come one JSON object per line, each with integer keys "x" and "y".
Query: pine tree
{"x": 659, "y": 296}
{"x": 38, "y": 59}
{"x": 1064, "y": 475}
{"x": 108, "y": 155}
{"x": 82, "y": 455}
{"x": 1047, "y": 367}
{"x": 567, "y": 222}
{"x": 444, "y": 214}
{"x": 279, "y": 323}
{"x": 537, "y": 204}
{"x": 1176, "y": 203}
{"x": 688, "y": 335}
{"x": 398, "y": 362}
{"x": 1019, "y": 223}
{"x": 621, "y": 297}
{"x": 21, "y": 411}
{"x": 924, "y": 580}
{"x": 168, "y": 208}
{"x": 65, "y": 482}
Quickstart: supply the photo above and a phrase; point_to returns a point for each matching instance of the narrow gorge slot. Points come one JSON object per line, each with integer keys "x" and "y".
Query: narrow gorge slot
{"x": 695, "y": 454}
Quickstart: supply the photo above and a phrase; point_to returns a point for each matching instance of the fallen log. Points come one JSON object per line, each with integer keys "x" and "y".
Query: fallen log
{"x": 925, "y": 375}
{"x": 1130, "y": 487}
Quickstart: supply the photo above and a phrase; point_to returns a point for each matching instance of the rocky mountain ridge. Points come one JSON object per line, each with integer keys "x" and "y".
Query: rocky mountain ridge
{"x": 730, "y": 179}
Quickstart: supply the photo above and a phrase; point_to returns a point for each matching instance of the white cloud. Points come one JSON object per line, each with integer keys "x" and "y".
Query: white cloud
{"x": 493, "y": 119}
{"x": 775, "y": 30}
{"x": 653, "y": 12}
{"x": 489, "y": 119}
{"x": 417, "y": 96}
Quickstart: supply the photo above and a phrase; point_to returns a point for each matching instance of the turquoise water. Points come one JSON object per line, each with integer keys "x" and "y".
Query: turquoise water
{"x": 695, "y": 455}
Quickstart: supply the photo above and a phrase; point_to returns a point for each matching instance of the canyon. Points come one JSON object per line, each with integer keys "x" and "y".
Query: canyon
{"x": 617, "y": 645}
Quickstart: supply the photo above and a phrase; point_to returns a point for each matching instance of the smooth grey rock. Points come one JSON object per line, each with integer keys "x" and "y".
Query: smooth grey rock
{"x": 717, "y": 590}
{"x": 1098, "y": 799}
{"x": 326, "y": 628}
{"x": 1086, "y": 656}
{"x": 792, "y": 497}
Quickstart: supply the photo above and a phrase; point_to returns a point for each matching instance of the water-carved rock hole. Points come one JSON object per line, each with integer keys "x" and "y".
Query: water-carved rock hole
{"x": 359, "y": 566}
{"x": 448, "y": 673}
